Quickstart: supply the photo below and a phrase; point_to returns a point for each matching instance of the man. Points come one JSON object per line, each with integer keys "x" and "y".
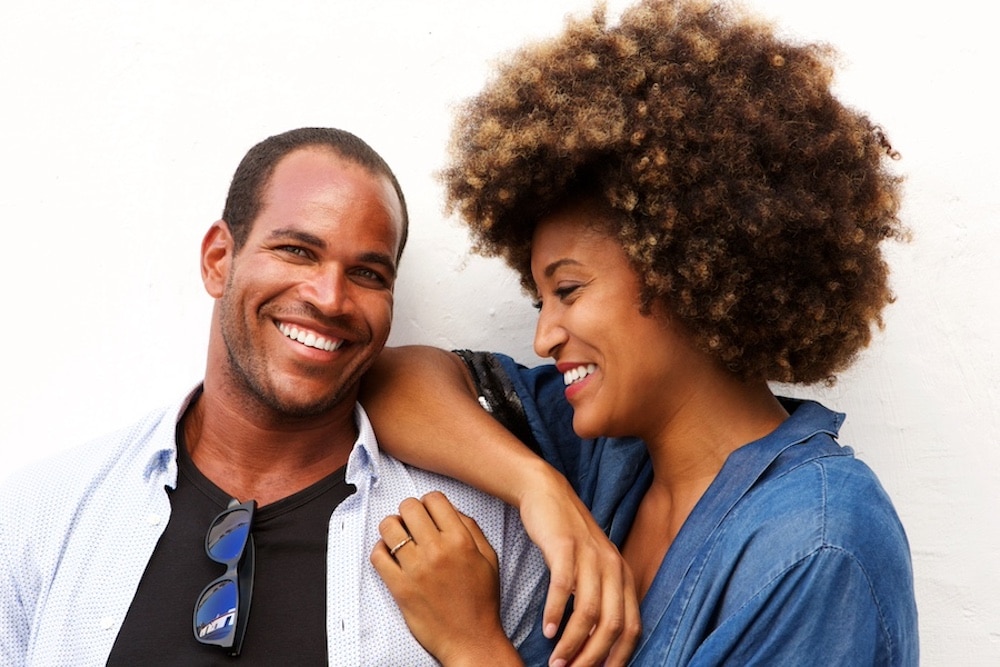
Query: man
{"x": 104, "y": 551}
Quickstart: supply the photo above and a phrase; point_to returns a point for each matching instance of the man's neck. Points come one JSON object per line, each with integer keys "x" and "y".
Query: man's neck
{"x": 253, "y": 454}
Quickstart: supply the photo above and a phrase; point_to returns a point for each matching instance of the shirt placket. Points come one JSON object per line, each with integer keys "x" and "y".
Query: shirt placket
{"x": 345, "y": 544}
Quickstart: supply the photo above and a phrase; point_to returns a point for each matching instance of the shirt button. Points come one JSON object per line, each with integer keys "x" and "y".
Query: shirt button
{"x": 107, "y": 623}
{"x": 153, "y": 520}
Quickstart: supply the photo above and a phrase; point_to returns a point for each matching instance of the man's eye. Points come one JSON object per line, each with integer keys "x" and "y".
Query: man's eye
{"x": 294, "y": 250}
{"x": 371, "y": 275}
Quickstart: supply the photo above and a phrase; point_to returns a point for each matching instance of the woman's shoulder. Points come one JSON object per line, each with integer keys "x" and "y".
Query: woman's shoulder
{"x": 822, "y": 530}
{"x": 823, "y": 508}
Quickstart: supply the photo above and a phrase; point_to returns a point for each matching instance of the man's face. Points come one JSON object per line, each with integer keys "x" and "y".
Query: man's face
{"x": 307, "y": 303}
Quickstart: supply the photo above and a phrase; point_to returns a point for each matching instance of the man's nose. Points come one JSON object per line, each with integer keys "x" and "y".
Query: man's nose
{"x": 328, "y": 289}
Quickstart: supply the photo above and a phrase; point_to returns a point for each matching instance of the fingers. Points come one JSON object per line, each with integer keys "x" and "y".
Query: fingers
{"x": 417, "y": 520}
{"x": 596, "y": 623}
{"x": 429, "y": 521}
{"x": 482, "y": 544}
{"x": 384, "y": 562}
{"x": 614, "y": 636}
{"x": 588, "y": 606}
{"x": 441, "y": 511}
{"x": 393, "y": 532}
{"x": 583, "y": 563}
{"x": 632, "y": 631}
{"x": 561, "y": 559}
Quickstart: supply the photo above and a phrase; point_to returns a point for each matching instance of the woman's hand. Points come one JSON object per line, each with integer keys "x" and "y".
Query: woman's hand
{"x": 586, "y": 565}
{"x": 420, "y": 427}
{"x": 444, "y": 575}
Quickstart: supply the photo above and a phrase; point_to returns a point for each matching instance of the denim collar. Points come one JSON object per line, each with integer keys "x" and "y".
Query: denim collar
{"x": 741, "y": 471}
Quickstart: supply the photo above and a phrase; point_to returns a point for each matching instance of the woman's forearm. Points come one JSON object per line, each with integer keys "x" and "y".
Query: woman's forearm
{"x": 424, "y": 407}
{"x": 425, "y": 410}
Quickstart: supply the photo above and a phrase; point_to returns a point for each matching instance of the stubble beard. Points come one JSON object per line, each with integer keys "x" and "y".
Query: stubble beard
{"x": 247, "y": 371}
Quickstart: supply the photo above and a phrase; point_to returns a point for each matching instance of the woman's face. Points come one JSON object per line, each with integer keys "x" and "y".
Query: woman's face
{"x": 616, "y": 361}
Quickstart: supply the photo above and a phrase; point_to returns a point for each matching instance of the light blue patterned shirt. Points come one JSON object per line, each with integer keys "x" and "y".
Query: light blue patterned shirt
{"x": 76, "y": 533}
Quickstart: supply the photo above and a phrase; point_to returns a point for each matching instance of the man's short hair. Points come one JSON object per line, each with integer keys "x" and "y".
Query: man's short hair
{"x": 243, "y": 202}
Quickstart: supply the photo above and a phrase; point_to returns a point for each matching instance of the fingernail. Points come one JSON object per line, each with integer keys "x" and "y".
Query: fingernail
{"x": 558, "y": 663}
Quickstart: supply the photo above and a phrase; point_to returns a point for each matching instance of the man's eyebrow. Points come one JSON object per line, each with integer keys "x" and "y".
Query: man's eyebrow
{"x": 380, "y": 258}
{"x": 298, "y": 235}
{"x": 311, "y": 239}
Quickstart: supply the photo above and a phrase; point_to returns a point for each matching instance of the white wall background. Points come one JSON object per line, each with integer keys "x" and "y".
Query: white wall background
{"x": 121, "y": 123}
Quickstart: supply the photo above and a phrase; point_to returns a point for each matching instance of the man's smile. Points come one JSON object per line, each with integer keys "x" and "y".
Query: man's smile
{"x": 310, "y": 338}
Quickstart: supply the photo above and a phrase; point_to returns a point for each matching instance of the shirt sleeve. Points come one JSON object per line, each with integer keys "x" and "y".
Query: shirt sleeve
{"x": 531, "y": 404}
{"x": 821, "y": 609}
{"x": 14, "y": 622}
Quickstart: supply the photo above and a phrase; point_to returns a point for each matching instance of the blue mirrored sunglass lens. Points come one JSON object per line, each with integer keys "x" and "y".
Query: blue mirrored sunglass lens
{"x": 215, "y": 615}
{"x": 228, "y": 535}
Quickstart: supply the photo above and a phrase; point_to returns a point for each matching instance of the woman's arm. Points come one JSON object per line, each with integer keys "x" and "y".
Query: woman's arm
{"x": 424, "y": 406}
{"x": 425, "y": 410}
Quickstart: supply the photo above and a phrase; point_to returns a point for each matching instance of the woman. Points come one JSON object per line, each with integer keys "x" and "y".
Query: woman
{"x": 697, "y": 215}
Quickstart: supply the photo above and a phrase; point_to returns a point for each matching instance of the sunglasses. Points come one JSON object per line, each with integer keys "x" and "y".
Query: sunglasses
{"x": 220, "y": 614}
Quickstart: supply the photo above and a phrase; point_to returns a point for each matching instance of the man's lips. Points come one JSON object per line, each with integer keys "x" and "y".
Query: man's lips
{"x": 310, "y": 338}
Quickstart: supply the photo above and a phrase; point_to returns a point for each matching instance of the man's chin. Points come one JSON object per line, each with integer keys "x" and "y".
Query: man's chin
{"x": 293, "y": 394}
{"x": 296, "y": 405}
{"x": 296, "y": 408}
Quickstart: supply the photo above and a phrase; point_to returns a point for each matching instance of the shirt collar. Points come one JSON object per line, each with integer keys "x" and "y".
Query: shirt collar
{"x": 806, "y": 419}
{"x": 161, "y": 458}
{"x": 366, "y": 459}
{"x": 741, "y": 471}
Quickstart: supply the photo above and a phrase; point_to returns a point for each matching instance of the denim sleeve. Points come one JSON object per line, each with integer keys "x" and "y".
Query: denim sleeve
{"x": 531, "y": 404}
{"x": 790, "y": 620}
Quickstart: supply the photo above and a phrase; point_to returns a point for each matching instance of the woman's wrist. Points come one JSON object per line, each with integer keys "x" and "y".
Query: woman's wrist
{"x": 496, "y": 650}
{"x": 536, "y": 478}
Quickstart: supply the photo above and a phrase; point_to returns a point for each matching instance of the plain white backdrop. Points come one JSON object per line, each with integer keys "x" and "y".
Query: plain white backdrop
{"x": 121, "y": 124}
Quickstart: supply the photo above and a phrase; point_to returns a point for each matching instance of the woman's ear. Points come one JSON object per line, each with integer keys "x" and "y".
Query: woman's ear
{"x": 216, "y": 257}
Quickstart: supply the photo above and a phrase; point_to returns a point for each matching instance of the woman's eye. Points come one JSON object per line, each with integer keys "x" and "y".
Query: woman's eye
{"x": 565, "y": 291}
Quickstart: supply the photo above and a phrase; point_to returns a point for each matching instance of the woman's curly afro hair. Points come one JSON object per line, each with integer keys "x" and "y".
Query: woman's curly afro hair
{"x": 745, "y": 195}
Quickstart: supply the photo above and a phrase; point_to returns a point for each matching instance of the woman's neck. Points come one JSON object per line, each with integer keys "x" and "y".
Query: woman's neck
{"x": 703, "y": 423}
{"x": 701, "y": 426}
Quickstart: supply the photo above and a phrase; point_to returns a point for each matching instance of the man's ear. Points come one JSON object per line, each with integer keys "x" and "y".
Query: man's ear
{"x": 217, "y": 250}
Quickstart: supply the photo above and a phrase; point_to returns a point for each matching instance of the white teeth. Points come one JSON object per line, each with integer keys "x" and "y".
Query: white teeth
{"x": 578, "y": 373}
{"x": 309, "y": 338}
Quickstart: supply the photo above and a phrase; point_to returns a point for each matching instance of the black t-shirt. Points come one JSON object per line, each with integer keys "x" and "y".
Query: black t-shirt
{"x": 287, "y": 621}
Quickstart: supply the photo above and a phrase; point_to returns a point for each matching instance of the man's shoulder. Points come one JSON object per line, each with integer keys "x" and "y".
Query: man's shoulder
{"x": 74, "y": 471}
{"x": 466, "y": 498}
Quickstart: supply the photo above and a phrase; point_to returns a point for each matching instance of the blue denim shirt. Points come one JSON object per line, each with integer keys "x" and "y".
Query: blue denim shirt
{"x": 794, "y": 555}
